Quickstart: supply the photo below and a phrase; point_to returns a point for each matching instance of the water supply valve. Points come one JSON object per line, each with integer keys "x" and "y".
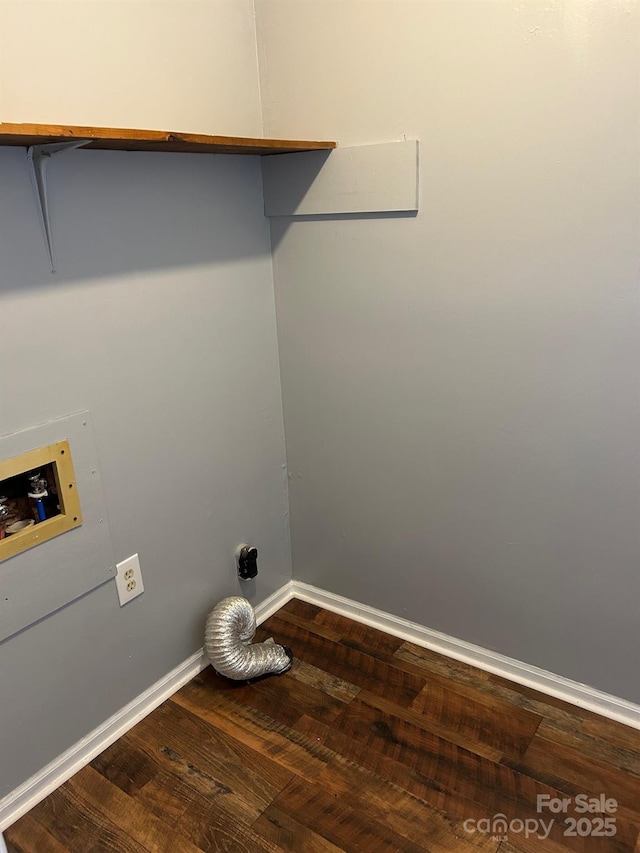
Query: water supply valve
{"x": 247, "y": 557}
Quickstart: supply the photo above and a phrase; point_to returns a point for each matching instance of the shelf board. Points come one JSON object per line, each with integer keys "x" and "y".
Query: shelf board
{"x": 127, "y": 139}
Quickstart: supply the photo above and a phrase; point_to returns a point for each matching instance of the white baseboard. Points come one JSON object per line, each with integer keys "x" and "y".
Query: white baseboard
{"x": 522, "y": 673}
{"x": 35, "y": 789}
{"x": 275, "y": 601}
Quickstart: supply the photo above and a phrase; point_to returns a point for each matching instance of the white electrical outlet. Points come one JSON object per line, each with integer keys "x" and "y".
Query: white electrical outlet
{"x": 129, "y": 579}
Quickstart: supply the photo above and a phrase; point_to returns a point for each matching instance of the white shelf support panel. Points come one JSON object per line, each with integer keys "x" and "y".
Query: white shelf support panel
{"x": 38, "y": 156}
{"x": 380, "y": 178}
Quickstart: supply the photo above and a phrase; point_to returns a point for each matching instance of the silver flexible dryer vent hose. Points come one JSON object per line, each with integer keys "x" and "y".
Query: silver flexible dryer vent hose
{"x": 231, "y": 626}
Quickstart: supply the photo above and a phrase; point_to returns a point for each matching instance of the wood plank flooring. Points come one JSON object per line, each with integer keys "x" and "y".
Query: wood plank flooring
{"x": 368, "y": 744}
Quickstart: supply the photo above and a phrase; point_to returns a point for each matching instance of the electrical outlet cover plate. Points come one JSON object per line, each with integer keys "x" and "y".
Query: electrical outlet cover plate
{"x": 129, "y": 579}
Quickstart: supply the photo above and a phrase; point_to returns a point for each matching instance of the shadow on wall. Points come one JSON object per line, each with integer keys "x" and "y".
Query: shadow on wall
{"x": 281, "y": 224}
{"x": 117, "y": 212}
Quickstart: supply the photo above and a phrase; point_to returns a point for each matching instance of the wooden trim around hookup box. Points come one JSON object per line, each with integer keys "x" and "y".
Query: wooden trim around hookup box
{"x": 58, "y": 455}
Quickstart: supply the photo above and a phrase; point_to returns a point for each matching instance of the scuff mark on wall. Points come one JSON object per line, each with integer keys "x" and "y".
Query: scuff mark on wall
{"x": 575, "y": 22}
{"x": 581, "y": 20}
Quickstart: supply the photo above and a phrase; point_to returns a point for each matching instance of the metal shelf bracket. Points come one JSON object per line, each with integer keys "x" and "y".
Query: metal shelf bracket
{"x": 37, "y": 156}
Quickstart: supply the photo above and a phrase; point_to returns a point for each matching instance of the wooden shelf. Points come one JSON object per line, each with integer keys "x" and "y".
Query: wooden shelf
{"x": 42, "y": 141}
{"x": 126, "y": 139}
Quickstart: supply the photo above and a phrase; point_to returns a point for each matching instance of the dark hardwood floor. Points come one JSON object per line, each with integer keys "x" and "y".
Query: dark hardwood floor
{"x": 368, "y": 744}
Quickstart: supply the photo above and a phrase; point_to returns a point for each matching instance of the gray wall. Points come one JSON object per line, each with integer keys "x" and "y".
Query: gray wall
{"x": 461, "y": 389}
{"x": 161, "y": 322}
{"x": 208, "y": 83}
